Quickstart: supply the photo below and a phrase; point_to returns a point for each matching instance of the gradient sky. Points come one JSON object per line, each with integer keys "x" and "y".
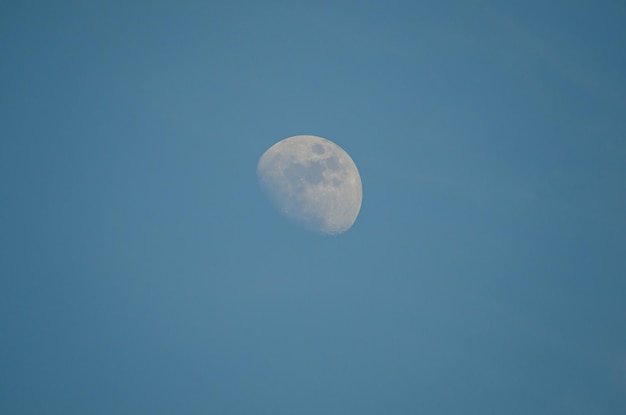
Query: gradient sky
{"x": 143, "y": 271}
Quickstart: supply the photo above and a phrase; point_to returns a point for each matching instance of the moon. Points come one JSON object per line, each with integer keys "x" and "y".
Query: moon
{"x": 313, "y": 182}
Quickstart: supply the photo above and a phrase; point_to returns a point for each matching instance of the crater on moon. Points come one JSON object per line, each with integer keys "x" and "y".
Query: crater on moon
{"x": 313, "y": 182}
{"x": 312, "y": 174}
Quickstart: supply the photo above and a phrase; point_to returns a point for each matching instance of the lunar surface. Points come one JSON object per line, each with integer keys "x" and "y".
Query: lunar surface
{"x": 313, "y": 182}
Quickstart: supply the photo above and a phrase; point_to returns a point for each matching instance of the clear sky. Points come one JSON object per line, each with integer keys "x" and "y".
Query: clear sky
{"x": 143, "y": 271}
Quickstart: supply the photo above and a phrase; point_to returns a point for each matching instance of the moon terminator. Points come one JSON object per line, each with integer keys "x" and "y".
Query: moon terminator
{"x": 313, "y": 182}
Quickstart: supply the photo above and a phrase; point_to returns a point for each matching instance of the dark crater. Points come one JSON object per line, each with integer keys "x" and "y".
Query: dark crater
{"x": 312, "y": 173}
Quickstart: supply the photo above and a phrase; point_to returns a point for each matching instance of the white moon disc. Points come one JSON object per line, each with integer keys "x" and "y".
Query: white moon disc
{"x": 313, "y": 182}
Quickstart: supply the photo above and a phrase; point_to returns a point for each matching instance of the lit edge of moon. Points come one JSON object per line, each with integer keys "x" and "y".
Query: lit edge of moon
{"x": 313, "y": 182}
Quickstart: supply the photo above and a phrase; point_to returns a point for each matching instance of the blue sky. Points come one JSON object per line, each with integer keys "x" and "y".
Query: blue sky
{"x": 143, "y": 271}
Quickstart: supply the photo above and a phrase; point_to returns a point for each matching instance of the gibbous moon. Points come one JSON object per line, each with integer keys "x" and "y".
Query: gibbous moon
{"x": 313, "y": 182}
